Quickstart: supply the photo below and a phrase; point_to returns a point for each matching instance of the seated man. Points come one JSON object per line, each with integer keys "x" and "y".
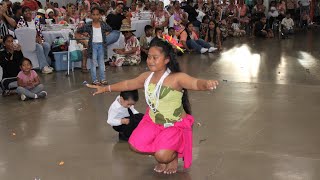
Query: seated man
{"x": 114, "y": 20}
{"x": 262, "y": 30}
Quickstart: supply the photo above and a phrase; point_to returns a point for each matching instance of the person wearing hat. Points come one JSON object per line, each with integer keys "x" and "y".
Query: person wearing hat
{"x": 50, "y": 15}
{"x": 41, "y": 16}
{"x": 42, "y": 48}
{"x": 130, "y": 54}
{"x": 31, "y": 4}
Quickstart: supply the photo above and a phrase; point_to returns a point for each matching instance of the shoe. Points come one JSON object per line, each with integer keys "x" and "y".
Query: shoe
{"x": 204, "y": 50}
{"x": 23, "y": 97}
{"x": 51, "y": 68}
{"x": 96, "y": 82}
{"x": 42, "y": 94}
{"x": 46, "y": 70}
{"x": 212, "y": 49}
{"x": 104, "y": 82}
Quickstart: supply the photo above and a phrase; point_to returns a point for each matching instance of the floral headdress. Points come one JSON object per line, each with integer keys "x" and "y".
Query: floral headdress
{"x": 173, "y": 42}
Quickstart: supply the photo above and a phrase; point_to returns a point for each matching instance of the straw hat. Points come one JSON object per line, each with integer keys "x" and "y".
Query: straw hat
{"x": 126, "y": 26}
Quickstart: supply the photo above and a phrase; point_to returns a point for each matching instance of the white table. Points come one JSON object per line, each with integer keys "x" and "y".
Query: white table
{"x": 50, "y": 36}
{"x": 139, "y": 25}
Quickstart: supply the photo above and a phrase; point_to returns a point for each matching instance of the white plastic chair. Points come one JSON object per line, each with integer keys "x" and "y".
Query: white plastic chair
{"x": 117, "y": 45}
{"x": 27, "y": 39}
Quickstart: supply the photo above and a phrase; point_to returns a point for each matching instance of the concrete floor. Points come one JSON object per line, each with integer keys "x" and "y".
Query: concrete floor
{"x": 262, "y": 123}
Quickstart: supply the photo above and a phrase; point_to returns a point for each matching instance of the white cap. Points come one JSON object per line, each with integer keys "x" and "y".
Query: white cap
{"x": 49, "y": 11}
{"x": 42, "y": 11}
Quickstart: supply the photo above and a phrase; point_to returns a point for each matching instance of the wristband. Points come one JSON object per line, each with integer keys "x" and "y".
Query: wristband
{"x": 109, "y": 88}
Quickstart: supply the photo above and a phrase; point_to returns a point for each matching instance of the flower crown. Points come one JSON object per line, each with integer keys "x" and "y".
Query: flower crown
{"x": 173, "y": 42}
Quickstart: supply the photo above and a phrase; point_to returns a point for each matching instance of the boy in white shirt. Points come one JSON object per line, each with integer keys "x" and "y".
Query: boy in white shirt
{"x": 122, "y": 116}
{"x": 287, "y": 25}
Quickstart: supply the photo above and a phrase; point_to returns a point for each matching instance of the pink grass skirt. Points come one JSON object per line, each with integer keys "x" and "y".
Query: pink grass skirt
{"x": 149, "y": 137}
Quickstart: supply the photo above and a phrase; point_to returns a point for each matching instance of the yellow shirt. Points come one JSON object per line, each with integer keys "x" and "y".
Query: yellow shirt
{"x": 170, "y": 106}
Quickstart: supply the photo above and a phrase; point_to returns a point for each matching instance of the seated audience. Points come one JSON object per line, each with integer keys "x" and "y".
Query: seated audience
{"x": 192, "y": 13}
{"x": 262, "y": 29}
{"x": 42, "y": 48}
{"x": 158, "y": 35}
{"x": 236, "y": 31}
{"x": 10, "y": 60}
{"x": 130, "y": 54}
{"x": 213, "y": 35}
{"x": 17, "y": 11}
{"x": 114, "y": 20}
{"x": 41, "y": 16}
{"x": 6, "y": 22}
{"x": 29, "y": 86}
{"x": 287, "y": 25}
{"x": 31, "y": 4}
{"x": 160, "y": 18}
{"x": 191, "y": 42}
{"x": 145, "y": 41}
{"x": 204, "y": 27}
{"x": 72, "y": 16}
{"x": 50, "y": 15}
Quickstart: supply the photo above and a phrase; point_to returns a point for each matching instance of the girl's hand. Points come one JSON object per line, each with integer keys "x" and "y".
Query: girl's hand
{"x": 99, "y": 89}
{"x": 212, "y": 84}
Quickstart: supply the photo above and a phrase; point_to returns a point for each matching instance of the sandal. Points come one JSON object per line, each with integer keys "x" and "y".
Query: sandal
{"x": 104, "y": 82}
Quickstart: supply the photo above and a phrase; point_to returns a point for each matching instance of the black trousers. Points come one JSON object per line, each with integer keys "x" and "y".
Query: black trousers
{"x": 6, "y": 81}
{"x": 124, "y": 130}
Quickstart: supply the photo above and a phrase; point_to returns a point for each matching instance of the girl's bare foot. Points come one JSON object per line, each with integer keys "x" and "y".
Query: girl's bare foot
{"x": 159, "y": 168}
{"x": 172, "y": 167}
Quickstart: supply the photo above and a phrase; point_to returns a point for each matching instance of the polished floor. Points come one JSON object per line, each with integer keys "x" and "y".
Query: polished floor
{"x": 262, "y": 123}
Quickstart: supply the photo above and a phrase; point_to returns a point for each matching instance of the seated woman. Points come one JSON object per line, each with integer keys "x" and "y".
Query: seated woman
{"x": 72, "y": 16}
{"x": 130, "y": 54}
{"x": 10, "y": 59}
{"x": 204, "y": 26}
{"x": 191, "y": 42}
{"x": 51, "y": 15}
{"x": 42, "y": 48}
{"x": 160, "y": 18}
{"x": 213, "y": 35}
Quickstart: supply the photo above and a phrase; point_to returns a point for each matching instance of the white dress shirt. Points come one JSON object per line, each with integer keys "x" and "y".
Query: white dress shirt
{"x": 117, "y": 112}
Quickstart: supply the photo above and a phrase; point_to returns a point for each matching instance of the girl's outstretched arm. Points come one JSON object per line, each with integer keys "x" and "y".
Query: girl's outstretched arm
{"x": 127, "y": 85}
{"x": 191, "y": 83}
